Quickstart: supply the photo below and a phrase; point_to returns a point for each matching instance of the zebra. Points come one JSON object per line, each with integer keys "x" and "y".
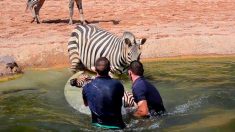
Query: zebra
{"x": 35, "y": 6}
{"x": 84, "y": 79}
{"x": 81, "y": 81}
{"x": 128, "y": 100}
{"x": 79, "y": 6}
{"x": 88, "y": 42}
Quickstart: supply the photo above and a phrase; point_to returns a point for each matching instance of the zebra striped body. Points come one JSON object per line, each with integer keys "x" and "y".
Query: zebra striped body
{"x": 83, "y": 79}
{"x": 87, "y": 43}
{"x": 128, "y": 100}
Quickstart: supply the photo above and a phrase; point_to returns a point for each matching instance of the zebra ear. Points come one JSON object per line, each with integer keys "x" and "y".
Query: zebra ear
{"x": 127, "y": 42}
{"x": 142, "y": 41}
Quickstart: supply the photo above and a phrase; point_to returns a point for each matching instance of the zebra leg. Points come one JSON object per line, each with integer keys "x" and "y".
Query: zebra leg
{"x": 79, "y": 5}
{"x": 71, "y": 6}
{"x": 76, "y": 64}
{"x": 37, "y": 9}
{"x": 33, "y": 14}
{"x": 77, "y": 67}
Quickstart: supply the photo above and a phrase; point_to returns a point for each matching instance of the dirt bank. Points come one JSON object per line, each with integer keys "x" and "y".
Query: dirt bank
{"x": 172, "y": 28}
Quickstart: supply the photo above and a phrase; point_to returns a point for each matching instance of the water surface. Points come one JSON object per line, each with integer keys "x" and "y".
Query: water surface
{"x": 198, "y": 95}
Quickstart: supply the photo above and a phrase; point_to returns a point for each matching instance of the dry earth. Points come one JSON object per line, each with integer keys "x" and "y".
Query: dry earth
{"x": 172, "y": 27}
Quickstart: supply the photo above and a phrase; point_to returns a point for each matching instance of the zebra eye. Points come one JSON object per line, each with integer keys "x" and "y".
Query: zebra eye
{"x": 129, "y": 54}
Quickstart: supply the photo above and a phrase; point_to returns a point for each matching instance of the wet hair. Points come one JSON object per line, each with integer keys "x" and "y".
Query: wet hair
{"x": 102, "y": 66}
{"x": 137, "y": 68}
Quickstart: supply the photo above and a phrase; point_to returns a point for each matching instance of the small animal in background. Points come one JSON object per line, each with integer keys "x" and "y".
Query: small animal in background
{"x": 35, "y": 6}
{"x": 13, "y": 67}
{"x": 83, "y": 79}
{"x": 8, "y": 66}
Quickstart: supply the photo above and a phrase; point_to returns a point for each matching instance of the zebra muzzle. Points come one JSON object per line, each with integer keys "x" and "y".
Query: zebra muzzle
{"x": 73, "y": 82}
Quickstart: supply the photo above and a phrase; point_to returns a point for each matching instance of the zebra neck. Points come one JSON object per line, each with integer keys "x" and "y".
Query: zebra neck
{"x": 124, "y": 57}
{"x": 123, "y": 60}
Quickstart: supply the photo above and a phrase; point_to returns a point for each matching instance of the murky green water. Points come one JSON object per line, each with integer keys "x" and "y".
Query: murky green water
{"x": 199, "y": 95}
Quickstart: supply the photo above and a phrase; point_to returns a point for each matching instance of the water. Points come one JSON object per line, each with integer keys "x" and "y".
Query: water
{"x": 198, "y": 95}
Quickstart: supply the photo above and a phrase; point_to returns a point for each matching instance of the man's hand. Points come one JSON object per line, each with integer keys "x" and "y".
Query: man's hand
{"x": 142, "y": 109}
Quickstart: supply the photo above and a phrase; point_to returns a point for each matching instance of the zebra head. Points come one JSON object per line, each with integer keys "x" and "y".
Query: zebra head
{"x": 132, "y": 46}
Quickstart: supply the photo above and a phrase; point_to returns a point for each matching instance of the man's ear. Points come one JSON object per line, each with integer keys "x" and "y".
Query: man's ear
{"x": 127, "y": 41}
{"x": 129, "y": 72}
{"x": 142, "y": 41}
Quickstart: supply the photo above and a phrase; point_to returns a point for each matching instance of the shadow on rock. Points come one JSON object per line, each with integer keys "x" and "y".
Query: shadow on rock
{"x": 115, "y": 22}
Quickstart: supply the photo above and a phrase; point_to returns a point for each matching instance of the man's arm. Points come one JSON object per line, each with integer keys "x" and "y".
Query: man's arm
{"x": 142, "y": 109}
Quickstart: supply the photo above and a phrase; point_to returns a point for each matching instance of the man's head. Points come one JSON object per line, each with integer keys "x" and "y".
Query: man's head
{"x": 136, "y": 68}
{"x": 102, "y": 66}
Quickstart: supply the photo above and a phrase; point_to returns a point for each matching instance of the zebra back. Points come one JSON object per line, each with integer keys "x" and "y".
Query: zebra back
{"x": 88, "y": 43}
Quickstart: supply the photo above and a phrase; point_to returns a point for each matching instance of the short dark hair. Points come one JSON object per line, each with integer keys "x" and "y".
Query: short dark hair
{"x": 102, "y": 66}
{"x": 137, "y": 68}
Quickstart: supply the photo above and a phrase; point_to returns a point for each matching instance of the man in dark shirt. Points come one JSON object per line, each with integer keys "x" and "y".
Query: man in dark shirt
{"x": 145, "y": 94}
{"x": 104, "y": 95}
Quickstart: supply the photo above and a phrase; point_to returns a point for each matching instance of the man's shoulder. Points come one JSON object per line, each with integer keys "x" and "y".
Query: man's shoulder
{"x": 140, "y": 82}
{"x": 143, "y": 81}
{"x": 116, "y": 83}
{"x": 88, "y": 85}
{"x": 115, "y": 80}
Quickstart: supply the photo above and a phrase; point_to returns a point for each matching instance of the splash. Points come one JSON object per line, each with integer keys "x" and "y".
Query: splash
{"x": 190, "y": 105}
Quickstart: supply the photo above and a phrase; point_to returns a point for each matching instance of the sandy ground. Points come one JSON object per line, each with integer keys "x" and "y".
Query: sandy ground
{"x": 172, "y": 28}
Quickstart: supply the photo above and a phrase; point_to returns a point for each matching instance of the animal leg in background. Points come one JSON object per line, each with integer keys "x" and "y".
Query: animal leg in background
{"x": 36, "y": 10}
{"x": 71, "y": 6}
{"x": 31, "y": 4}
{"x": 35, "y": 6}
{"x": 79, "y": 6}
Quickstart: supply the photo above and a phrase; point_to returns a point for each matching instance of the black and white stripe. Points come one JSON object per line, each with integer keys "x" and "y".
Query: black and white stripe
{"x": 128, "y": 100}
{"x": 87, "y": 43}
{"x": 81, "y": 81}
{"x": 34, "y": 6}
